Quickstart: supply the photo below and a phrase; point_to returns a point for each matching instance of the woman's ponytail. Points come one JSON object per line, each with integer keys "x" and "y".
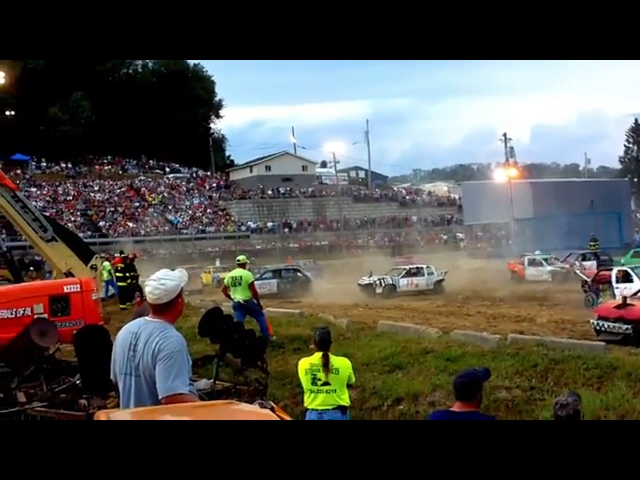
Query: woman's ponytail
{"x": 326, "y": 364}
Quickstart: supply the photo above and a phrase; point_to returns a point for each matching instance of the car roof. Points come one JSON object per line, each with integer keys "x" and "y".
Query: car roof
{"x": 283, "y": 267}
{"x": 599, "y": 252}
{"x": 413, "y": 266}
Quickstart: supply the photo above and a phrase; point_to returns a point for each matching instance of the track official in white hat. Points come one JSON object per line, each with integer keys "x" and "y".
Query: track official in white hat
{"x": 151, "y": 364}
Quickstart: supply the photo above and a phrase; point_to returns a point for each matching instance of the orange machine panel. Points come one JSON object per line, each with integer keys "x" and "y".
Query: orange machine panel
{"x": 214, "y": 410}
{"x": 70, "y": 303}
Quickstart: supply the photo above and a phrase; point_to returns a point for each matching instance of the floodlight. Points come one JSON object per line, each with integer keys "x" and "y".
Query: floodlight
{"x": 334, "y": 147}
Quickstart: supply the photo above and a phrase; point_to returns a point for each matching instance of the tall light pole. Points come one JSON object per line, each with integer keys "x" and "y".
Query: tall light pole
{"x": 212, "y": 157}
{"x": 367, "y": 139}
{"x": 294, "y": 140}
{"x": 508, "y": 172}
{"x": 335, "y": 148}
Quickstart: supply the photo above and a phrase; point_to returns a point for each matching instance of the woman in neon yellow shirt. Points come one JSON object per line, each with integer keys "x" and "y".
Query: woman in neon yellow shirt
{"x": 325, "y": 379}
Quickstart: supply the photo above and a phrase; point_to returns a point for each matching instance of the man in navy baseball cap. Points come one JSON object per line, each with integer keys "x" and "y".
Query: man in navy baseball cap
{"x": 568, "y": 407}
{"x": 468, "y": 387}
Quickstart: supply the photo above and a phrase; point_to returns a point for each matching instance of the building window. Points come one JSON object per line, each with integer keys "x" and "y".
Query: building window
{"x": 267, "y": 168}
{"x": 305, "y": 168}
{"x": 352, "y": 173}
{"x": 250, "y": 169}
{"x": 286, "y": 180}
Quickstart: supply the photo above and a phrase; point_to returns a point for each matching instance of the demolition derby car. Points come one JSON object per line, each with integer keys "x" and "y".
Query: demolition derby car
{"x": 283, "y": 281}
{"x": 409, "y": 279}
{"x": 588, "y": 260}
{"x": 618, "y": 321}
{"x": 214, "y": 275}
{"x": 608, "y": 282}
{"x": 313, "y": 268}
{"x": 538, "y": 267}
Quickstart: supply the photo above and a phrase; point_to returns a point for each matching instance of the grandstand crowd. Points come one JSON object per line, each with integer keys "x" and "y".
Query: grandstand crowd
{"x": 113, "y": 197}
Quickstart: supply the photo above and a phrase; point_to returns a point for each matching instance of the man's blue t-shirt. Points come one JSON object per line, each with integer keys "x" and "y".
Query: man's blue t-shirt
{"x": 453, "y": 415}
{"x": 150, "y": 361}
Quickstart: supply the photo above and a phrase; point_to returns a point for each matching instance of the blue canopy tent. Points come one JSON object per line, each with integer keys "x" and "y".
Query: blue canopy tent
{"x": 18, "y": 157}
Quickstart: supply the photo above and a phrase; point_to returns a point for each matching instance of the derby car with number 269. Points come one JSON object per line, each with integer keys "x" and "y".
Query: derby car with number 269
{"x": 283, "y": 281}
{"x": 406, "y": 280}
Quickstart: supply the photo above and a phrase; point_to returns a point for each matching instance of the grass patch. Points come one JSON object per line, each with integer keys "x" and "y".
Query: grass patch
{"x": 404, "y": 378}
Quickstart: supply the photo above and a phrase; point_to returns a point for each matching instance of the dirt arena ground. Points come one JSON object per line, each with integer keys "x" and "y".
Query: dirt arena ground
{"x": 479, "y": 297}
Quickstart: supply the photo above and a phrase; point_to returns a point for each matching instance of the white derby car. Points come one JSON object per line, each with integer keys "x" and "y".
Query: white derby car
{"x": 408, "y": 279}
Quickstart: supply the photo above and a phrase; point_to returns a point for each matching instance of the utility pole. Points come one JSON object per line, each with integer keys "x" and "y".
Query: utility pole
{"x": 213, "y": 159}
{"x": 587, "y": 164}
{"x": 367, "y": 139}
{"x": 294, "y": 140}
{"x": 506, "y": 142}
{"x": 339, "y": 187}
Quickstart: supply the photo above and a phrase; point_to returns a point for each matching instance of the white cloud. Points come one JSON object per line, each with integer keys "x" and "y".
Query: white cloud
{"x": 535, "y": 102}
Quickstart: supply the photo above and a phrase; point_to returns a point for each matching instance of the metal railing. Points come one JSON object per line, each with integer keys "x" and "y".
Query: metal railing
{"x": 170, "y": 239}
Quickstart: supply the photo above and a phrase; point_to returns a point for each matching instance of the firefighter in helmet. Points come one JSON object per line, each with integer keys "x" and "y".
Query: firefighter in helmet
{"x": 134, "y": 278}
{"x": 122, "y": 281}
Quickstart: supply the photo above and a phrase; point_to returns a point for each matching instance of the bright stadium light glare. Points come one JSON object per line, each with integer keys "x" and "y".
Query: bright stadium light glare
{"x": 336, "y": 148}
{"x": 500, "y": 175}
{"x": 512, "y": 172}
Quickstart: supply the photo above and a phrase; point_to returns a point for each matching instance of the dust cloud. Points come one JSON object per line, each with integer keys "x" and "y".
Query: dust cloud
{"x": 479, "y": 296}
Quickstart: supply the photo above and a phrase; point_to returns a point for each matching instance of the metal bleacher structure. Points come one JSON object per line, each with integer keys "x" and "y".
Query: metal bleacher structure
{"x": 265, "y": 210}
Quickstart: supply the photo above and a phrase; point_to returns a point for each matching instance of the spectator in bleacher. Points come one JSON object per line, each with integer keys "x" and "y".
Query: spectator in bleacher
{"x": 568, "y": 407}
{"x": 103, "y": 196}
{"x": 468, "y": 390}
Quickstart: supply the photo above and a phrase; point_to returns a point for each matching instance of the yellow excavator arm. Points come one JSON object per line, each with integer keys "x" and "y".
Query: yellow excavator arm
{"x": 64, "y": 251}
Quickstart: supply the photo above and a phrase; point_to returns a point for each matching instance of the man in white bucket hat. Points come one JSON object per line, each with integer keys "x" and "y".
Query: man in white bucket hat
{"x": 151, "y": 364}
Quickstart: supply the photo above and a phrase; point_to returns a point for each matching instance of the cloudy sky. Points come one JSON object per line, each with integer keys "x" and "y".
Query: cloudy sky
{"x": 425, "y": 114}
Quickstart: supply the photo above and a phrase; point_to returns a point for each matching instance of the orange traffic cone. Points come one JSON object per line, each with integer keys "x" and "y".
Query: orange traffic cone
{"x": 269, "y": 327}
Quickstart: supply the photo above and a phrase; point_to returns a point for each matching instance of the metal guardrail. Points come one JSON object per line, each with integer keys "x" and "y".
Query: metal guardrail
{"x": 158, "y": 239}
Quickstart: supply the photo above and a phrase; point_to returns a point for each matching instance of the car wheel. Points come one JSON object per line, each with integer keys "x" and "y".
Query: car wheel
{"x": 368, "y": 291}
{"x": 389, "y": 291}
{"x": 590, "y": 300}
{"x": 438, "y": 288}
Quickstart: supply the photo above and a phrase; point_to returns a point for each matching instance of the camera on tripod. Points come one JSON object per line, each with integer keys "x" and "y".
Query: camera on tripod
{"x": 241, "y": 349}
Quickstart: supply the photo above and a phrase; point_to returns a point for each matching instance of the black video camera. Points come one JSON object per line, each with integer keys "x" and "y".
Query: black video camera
{"x": 233, "y": 338}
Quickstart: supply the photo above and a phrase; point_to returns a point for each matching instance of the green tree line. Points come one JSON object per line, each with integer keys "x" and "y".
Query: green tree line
{"x": 629, "y": 168}
{"x": 70, "y": 109}
{"x": 482, "y": 171}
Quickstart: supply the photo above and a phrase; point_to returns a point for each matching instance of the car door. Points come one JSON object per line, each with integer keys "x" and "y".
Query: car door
{"x": 534, "y": 269}
{"x": 430, "y": 277}
{"x": 624, "y": 281}
{"x": 406, "y": 282}
{"x": 267, "y": 283}
{"x": 589, "y": 261}
{"x": 287, "y": 280}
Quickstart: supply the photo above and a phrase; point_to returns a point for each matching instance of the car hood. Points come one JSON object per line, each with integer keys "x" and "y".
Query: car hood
{"x": 371, "y": 279}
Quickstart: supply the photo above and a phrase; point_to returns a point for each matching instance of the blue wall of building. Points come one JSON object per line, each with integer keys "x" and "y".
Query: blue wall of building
{"x": 554, "y": 214}
{"x": 569, "y": 232}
